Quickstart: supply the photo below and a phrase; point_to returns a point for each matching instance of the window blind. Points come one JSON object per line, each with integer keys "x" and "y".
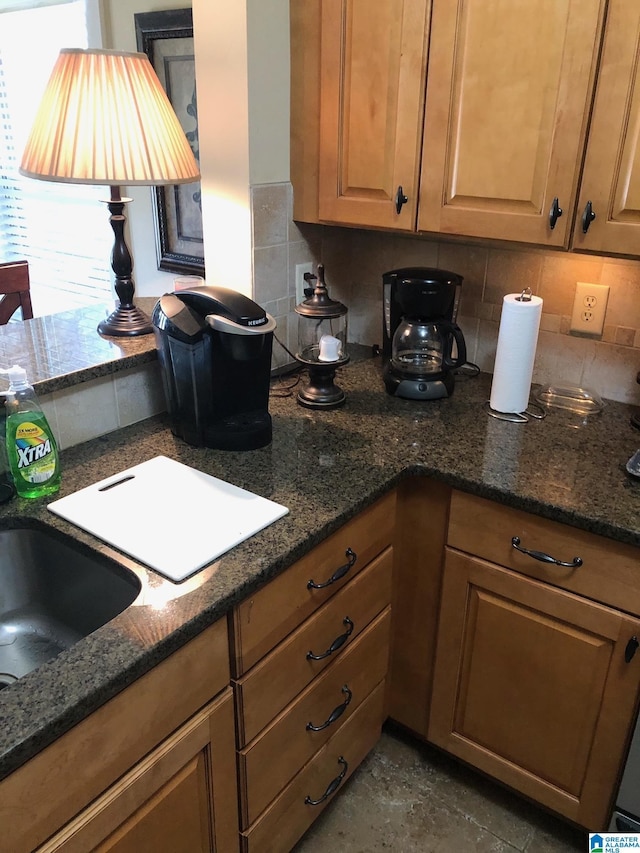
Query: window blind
{"x": 61, "y": 229}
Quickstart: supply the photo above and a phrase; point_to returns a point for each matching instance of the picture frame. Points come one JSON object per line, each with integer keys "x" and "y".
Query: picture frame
{"x": 167, "y": 39}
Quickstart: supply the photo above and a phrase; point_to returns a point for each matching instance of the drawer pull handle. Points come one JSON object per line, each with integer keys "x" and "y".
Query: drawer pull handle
{"x": 332, "y": 787}
{"x": 339, "y": 573}
{"x": 545, "y": 558}
{"x": 337, "y": 643}
{"x": 334, "y": 715}
{"x": 631, "y": 649}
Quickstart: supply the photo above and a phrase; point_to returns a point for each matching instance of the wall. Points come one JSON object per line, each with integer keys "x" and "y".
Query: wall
{"x": 86, "y": 411}
{"x": 118, "y": 32}
{"x": 242, "y": 72}
{"x": 242, "y": 75}
{"x": 355, "y": 260}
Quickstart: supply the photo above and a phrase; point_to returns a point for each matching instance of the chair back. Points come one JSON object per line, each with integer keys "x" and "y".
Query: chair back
{"x": 14, "y": 291}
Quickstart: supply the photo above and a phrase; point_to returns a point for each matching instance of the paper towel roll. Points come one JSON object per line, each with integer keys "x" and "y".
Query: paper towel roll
{"x": 516, "y": 352}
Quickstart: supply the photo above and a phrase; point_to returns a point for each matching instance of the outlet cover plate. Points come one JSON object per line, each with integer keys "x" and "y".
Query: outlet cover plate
{"x": 589, "y": 309}
{"x": 301, "y": 269}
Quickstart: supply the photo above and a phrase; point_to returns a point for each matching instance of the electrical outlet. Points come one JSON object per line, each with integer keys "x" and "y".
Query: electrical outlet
{"x": 589, "y": 308}
{"x": 301, "y": 269}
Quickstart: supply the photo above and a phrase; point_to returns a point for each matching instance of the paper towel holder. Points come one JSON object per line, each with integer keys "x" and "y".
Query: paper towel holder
{"x": 533, "y": 410}
{"x": 517, "y": 417}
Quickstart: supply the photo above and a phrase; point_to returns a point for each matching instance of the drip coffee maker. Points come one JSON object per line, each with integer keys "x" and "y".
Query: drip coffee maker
{"x": 422, "y": 344}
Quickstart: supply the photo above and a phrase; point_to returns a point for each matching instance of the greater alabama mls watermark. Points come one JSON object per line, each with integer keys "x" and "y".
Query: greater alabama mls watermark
{"x": 613, "y": 842}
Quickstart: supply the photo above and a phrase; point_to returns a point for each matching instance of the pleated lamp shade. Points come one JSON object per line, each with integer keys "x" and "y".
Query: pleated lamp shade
{"x": 105, "y": 119}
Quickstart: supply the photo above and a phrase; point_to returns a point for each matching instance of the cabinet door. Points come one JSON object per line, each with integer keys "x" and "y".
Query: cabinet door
{"x": 531, "y": 686}
{"x": 180, "y": 799}
{"x": 611, "y": 177}
{"x": 373, "y": 58}
{"x": 507, "y": 100}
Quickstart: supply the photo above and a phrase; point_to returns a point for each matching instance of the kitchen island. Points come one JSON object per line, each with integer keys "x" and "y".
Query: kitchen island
{"x": 326, "y": 467}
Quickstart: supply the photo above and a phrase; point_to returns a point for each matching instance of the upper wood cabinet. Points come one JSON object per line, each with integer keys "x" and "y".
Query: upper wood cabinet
{"x": 611, "y": 176}
{"x": 506, "y": 108}
{"x": 358, "y": 72}
{"x": 481, "y": 110}
{"x": 373, "y": 62}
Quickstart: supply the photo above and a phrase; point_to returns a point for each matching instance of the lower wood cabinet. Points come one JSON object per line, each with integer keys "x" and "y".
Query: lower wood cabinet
{"x": 152, "y": 769}
{"x": 421, "y": 531}
{"x": 311, "y": 656}
{"x": 313, "y": 788}
{"x": 434, "y": 607}
{"x": 509, "y": 646}
{"x": 277, "y": 754}
{"x": 532, "y": 687}
{"x": 177, "y": 800}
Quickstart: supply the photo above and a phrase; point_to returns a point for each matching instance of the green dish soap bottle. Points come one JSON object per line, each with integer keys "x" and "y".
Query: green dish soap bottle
{"x": 31, "y": 448}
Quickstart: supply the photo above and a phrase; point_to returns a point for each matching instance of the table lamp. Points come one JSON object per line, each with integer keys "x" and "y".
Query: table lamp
{"x": 104, "y": 118}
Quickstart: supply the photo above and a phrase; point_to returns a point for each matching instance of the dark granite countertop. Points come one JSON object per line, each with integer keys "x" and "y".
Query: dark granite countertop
{"x": 62, "y": 350}
{"x": 325, "y": 467}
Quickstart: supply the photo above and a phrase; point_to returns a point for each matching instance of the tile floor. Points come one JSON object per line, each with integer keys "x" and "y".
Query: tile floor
{"x": 408, "y": 798}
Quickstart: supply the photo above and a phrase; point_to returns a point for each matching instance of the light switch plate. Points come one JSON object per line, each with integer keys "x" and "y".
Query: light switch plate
{"x": 589, "y": 309}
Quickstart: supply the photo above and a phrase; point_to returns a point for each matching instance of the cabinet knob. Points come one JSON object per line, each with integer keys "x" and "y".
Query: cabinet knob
{"x": 401, "y": 199}
{"x": 632, "y": 647}
{"x": 555, "y": 213}
{"x": 587, "y": 217}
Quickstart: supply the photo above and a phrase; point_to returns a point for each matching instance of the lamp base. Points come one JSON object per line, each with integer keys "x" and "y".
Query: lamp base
{"x": 126, "y": 321}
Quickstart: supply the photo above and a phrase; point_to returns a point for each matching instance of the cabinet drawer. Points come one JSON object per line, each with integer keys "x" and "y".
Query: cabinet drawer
{"x": 287, "y": 818}
{"x": 279, "y": 677}
{"x": 265, "y": 618}
{"x": 273, "y": 758}
{"x": 609, "y": 572}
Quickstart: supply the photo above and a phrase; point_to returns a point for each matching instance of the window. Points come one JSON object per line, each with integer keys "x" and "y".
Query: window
{"x": 61, "y": 229}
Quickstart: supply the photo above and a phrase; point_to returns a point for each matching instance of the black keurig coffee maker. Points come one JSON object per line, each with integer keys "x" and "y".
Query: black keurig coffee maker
{"x": 420, "y": 332}
{"x": 214, "y": 347}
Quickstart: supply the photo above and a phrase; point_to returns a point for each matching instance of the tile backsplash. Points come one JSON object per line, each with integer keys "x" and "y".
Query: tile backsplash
{"x": 90, "y": 409}
{"x": 355, "y": 259}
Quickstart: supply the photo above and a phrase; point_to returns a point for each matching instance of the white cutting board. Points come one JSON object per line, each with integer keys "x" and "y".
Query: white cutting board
{"x": 167, "y": 515}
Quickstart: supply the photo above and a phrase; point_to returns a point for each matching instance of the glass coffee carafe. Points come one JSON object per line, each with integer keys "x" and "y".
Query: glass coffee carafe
{"x": 422, "y": 349}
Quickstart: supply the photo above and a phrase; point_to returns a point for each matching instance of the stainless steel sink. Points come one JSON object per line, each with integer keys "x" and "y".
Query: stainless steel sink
{"x": 51, "y": 596}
